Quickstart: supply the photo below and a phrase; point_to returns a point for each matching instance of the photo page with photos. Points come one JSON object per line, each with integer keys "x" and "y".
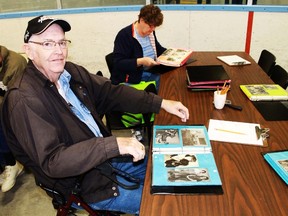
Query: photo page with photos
{"x": 180, "y": 138}
{"x": 174, "y": 57}
{"x": 183, "y": 161}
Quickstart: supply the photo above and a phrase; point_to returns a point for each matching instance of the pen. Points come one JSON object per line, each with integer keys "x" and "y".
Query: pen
{"x": 229, "y": 131}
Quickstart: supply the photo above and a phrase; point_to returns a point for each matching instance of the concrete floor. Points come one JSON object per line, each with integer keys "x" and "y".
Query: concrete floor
{"x": 27, "y": 199}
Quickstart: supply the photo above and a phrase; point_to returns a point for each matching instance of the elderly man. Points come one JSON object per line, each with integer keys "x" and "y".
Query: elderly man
{"x": 59, "y": 133}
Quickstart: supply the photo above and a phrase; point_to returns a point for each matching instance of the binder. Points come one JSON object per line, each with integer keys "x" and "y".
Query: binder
{"x": 206, "y": 76}
{"x": 278, "y": 160}
{"x": 272, "y": 110}
{"x": 183, "y": 161}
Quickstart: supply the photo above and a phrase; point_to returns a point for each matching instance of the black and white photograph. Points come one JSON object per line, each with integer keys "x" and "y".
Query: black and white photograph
{"x": 189, "y": 174}
{"x": 284, "y": 164}
{"x": 167, "y": 136}
{"x": 192, "y": 137}
{"x": 181, "y": 160}
{"x": 257, "y": 90}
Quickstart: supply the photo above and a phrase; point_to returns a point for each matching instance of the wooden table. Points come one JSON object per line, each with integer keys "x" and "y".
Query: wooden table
{"x": 250, "y": 186}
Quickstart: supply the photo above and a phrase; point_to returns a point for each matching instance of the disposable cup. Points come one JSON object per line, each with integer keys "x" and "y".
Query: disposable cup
{"x": 219, "y": 99}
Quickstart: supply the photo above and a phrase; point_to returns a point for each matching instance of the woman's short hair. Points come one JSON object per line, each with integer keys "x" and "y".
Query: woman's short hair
{"x": 151, "y": 14}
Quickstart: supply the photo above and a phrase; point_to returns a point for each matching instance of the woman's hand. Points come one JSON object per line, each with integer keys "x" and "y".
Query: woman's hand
{"x": 146, "y": 61}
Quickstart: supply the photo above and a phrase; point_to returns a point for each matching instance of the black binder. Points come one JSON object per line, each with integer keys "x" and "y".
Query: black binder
{"x": 206, "y": 76}
{"x": 273, "y": 110}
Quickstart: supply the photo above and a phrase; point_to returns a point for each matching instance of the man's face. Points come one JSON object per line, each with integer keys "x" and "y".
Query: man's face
{"x": 49, "y": 62}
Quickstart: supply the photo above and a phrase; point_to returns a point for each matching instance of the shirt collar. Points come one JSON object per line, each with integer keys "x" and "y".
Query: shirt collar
{"x": 64, "y": 80}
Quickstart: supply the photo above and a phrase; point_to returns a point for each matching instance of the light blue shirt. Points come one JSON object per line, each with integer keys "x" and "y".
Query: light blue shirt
{"x": 78, "y": 108}
{"x": 146, "y": 46}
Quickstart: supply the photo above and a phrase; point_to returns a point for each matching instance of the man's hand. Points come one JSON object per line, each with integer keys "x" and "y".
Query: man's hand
{"x": 176, "y": 108}
{"x": 130, "y": 145}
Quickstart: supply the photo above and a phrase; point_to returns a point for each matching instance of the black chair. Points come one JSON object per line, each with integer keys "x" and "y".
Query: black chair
{"x": 109, "y": 61}
{"x": 114, "y": 119}
{"x": 279, "y": 76}
{"x": 266, "y": 61}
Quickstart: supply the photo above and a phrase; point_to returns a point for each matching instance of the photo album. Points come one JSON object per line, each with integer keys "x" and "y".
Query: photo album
{"x": 182, "y": 161}
{"x": 174, "y": 57}
{"x": 264, "y": 92}
{"x": 278, "y": 160}
{"x": 271, "y": 100}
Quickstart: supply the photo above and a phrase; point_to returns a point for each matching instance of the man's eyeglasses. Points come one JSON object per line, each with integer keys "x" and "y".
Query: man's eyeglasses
{"x": 50, "y": 44}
